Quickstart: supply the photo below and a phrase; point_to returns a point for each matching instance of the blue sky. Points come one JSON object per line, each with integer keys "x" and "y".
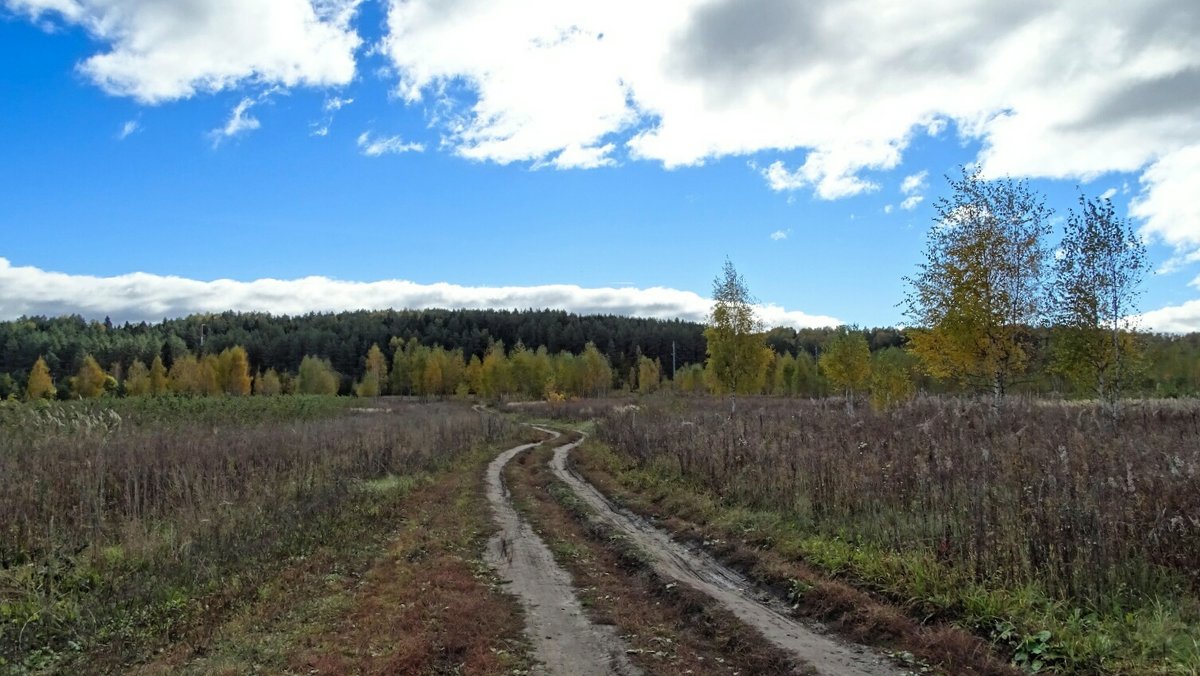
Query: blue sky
{"x": 568, "y": 162}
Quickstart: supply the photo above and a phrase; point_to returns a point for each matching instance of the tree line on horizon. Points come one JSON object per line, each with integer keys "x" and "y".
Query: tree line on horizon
{"x": 992, "y": 310}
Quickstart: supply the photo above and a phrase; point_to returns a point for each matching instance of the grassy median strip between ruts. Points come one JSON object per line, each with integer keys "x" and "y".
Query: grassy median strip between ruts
{"x": 671, "y": 629}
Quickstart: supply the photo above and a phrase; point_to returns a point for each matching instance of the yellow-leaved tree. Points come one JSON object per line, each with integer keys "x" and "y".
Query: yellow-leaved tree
{"x": 233, "y": 371}
{"x": 40, "y": 385}
{"x": 376, "y": 374}
{"x": 317, "y": 376}
{"x": 975, "y": 299}
{"x": 846, "y": 362}
{"x": 738, "y": 356}
{"x": 89, "y": 382}
{"x": 137, "y": 381}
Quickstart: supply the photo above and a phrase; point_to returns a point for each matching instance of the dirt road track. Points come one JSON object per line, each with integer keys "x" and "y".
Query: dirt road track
{"x": 563, "y": 638}
{"x": 770, "y": 616}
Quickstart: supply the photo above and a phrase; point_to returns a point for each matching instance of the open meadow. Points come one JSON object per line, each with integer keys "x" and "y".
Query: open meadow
{"x": 1069, "y": 542}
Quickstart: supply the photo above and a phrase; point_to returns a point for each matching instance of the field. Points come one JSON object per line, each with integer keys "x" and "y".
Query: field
{"x": 130, "y": 524}
{"x": 333, "y": 535}
{"x": 1066, "y": 540}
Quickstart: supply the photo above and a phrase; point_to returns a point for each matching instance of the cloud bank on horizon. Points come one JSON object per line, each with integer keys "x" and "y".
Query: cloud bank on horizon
{"x": 1050, "y": 90}
{"x": 138, "y": 296}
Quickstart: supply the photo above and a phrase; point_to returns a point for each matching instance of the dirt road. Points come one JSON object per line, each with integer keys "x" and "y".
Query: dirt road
{"x": 769, "y": 615}
{"x": 565, "y": 641}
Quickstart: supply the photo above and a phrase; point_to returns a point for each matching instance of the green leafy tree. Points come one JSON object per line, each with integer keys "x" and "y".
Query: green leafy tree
{"x": 40, "y": 384}
{"x": 981, "y": 287}
{"x": 1098, "y": 277}
{"x": 738, "y": 355}
{"x": 846, "y": 362}
{"x": 316, "y": 376}
{"x": 90, "y": 381}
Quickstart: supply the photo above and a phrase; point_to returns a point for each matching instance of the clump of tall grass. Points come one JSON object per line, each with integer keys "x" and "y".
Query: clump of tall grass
{"x": 116, "y": 520}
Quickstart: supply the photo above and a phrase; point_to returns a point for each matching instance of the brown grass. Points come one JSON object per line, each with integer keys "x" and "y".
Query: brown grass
{"x": 1029, "y": 492}
{"x": 122, "y": 536}
{"x": 849, "y": 612}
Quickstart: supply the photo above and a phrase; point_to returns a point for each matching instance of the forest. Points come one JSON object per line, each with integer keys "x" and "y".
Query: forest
{"x": 635, "y": 349}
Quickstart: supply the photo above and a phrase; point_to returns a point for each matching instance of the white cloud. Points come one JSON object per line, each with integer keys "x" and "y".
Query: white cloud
{"x": 161, "y": 51}
{"x": 780, "y": 235}
{"x": 889, "y": 208}
{"x": 140, "y": 296}
{"x": 911, "y": 202}
{"x": 240, "y": 122}
{"x": 128, "y": 129}
{"x": 333, "y": 104}
{"x": 1168, "y": 206}
{"x": 1108, "y": 194}
{"x": 387, "y": 145}
{"x": 1048, "y": 89}
{"x": 1183, "y": 318}
{"x": 914, "y": 183}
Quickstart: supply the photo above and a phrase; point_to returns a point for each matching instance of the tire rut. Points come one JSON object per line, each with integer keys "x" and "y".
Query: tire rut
{"x": 761, "y": 610}
{"x": 564, "y": 640}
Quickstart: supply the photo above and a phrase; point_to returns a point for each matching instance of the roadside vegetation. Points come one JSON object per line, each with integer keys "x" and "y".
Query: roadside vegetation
{"x": 126, "y": 528}
{"x": 1069, "y": 545}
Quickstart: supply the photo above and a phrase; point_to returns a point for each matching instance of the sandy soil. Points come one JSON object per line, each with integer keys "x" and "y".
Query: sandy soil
{"x": 757, "y": 608}
{"x": 565, "y": 641}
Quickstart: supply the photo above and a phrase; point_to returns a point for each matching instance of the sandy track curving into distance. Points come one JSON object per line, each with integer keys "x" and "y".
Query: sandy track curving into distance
{"x": 769, "y": 615}
{"x": 563, "y": 638}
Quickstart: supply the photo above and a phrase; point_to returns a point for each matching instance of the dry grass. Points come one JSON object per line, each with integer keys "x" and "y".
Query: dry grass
{"x": 1067, "y": 542}
{"x": 125, "y": 534}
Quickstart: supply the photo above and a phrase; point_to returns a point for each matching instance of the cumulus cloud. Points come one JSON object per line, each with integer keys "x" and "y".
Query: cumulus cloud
{"x": 139, "y": 296}
{"x": 1054, "y": 90}
{"x": 914, "y": 183}
{"x": 780, "y": 235}
{"x": 387, "y": 145}
{"x": 1183, "y": 318}
{"x": 161, "y": 51}
{"x": 911, "y": 202}
{"x": 1167, "y": 204}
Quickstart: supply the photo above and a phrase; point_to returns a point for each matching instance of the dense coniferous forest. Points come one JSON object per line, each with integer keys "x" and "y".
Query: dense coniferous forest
{"x": 1170, "y": 364}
